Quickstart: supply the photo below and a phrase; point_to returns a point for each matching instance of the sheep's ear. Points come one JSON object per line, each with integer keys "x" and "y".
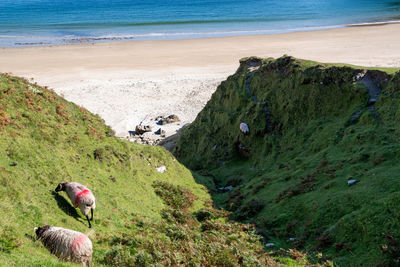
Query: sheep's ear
{"x": 37, "y": 230}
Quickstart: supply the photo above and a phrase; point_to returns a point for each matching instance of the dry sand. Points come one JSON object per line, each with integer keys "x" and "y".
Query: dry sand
{"x": 131, "y": 82}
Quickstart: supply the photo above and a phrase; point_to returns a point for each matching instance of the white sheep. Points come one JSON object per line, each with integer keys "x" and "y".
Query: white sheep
{"x": 244, "y": 128}
{"x": 80, "y": 196}
{"x": 67, "y": 245}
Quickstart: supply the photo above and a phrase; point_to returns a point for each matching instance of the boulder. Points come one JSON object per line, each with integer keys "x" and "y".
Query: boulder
{"x": 352, "y": 182}
{"x": 226, "y": 188}
{"x": 141, "y": 129}
{"x": 244, "y": 128}
{"x": 170, "y": 119}
{"x": 131, "y": 134}
{"x": 169, "y": 143}
{"x": 161, "y": 169}
{"x": 160, "y": 132}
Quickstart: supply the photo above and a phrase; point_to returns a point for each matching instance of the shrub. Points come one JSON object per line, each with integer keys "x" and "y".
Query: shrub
{"x": 203, "y": 215}
{"x": 119, "y": 257}
{"x": 143, "y": 258}
{"x": 99, "y": 154}
{"x": 4, "y": 118}
{"x": 250, "y": 209}
{"x": 174, "y": 215}
{"x": 175, "y": 232}
{"x": 391, "y": 250}
{"x": 175, "y": 196}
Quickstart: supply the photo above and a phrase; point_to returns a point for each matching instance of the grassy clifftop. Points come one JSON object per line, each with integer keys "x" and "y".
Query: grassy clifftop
{"x": 142, "y": 217}
{"x": 313, "y": 128}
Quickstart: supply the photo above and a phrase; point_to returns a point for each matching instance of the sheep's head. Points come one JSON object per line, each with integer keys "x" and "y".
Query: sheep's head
{"x": 60, "y": 187}
{"x": 40, "y": 230}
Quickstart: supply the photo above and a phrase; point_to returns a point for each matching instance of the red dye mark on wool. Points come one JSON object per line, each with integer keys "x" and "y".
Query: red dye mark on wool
{"x": 79, "y": 195}
{"x": 79, "y": 241}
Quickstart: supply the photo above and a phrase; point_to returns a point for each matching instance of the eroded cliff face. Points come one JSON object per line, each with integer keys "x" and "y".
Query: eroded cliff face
{"x": 273, "y": 98}
{"x": 320, "y": 159}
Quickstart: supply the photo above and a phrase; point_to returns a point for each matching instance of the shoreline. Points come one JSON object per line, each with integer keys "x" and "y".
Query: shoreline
{"x": 124, "y": 82}
{"x": 87, "y": 40}
{"x": 372, "y": 24}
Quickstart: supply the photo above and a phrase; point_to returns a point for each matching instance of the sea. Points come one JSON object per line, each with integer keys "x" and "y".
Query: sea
{"x": 53, "y": 22}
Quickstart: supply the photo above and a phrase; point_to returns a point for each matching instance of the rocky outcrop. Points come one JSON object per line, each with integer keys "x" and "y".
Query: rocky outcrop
{"x": 169, "y": 143}
{"x": 169, "y": 119}
{"x": 141, "y": 129}
{"x": 160, "y": 132}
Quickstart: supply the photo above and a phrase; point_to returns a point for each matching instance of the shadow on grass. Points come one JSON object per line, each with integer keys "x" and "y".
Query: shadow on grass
{"x": 31, "y": 237}
{"x": 65, "y": 206}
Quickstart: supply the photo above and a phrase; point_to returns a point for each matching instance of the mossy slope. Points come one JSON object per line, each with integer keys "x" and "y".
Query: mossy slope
{"x": 46, "y": 140}
{"x": 312, "y": 129}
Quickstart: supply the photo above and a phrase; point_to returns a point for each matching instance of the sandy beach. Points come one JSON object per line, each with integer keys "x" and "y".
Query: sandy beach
{"x": 127, "y": 83}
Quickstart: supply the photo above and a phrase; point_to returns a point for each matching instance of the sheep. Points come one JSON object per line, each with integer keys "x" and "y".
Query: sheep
{"x": 67, "y": 245}
{"x": 80, "y": 196}
{"x": 244, "y": 128}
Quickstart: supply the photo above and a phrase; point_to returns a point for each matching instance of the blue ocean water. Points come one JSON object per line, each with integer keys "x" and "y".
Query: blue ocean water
{"x": 44, "y": 22}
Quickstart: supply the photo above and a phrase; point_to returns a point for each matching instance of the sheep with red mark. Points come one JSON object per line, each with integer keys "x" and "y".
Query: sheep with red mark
{"x": 67, "y": 245}
{"x": 80, "y": 196}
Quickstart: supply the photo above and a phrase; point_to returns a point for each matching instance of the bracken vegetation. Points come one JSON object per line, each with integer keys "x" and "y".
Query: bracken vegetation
{"x": 313, "y": 130}
{"x": 204, "y": 238}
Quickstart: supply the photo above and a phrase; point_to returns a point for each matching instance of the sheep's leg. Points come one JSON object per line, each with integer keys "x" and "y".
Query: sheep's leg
{"x": 91, "y": 211}
{"x": 87, "y": 218}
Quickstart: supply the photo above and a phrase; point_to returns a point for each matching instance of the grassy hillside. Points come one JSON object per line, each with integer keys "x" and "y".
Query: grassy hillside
{"x": 142, "y": 217}
{"x": 313, "y": 128}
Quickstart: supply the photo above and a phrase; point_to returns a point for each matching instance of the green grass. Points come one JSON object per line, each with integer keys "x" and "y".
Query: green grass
{"x": 310, "y": 63}
{"x": 292, "y": 182}
{"x": 46, "y": 140}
